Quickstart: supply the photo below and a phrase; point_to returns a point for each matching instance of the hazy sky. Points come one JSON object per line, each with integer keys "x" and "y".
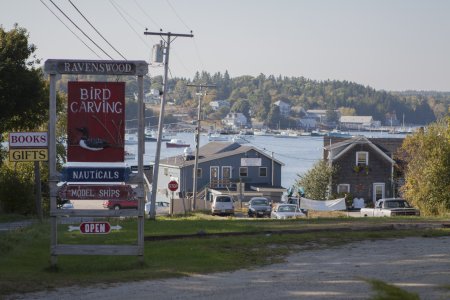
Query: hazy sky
{"x": 386, "y": 44}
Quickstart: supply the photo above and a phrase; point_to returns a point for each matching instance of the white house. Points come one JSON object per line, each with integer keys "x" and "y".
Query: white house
{"x": 235, "y": 120}
{"x": 285, "y": 108}
{"x": 215, "y": 105}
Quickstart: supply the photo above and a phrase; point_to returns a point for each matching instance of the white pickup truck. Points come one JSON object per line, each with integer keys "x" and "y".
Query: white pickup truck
{"x": 389, "y": 207}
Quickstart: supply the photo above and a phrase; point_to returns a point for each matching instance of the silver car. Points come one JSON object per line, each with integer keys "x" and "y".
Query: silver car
{"x": 286, "y": 211}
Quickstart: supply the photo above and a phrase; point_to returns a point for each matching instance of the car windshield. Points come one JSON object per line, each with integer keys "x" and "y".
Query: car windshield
{"x": 260, "y": 202}
{"x": 397, "y": 203}
{"x": 223, "y": 199}
{"x": 286, "y": 208}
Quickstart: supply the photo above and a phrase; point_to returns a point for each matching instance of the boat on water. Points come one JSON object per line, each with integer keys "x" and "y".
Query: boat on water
{"x": 177, "y": 143}
{"x": 131, "y": 139}
{"x": 151, "y": 136}
{"x": 286, "y": 134}
{"x": 217, "y": 137}
{"x": 338, "y": 133}
{"x": 129, "y": 155}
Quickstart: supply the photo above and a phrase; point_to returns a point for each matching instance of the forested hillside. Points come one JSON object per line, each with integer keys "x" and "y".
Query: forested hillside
{"x": 254, "y": 96}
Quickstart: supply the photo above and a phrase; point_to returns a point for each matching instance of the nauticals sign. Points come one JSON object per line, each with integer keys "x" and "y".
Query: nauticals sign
{"x": 96, "y": 121}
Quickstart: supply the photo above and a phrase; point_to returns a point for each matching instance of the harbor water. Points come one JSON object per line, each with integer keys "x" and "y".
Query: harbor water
{"x": 297, "y": 154}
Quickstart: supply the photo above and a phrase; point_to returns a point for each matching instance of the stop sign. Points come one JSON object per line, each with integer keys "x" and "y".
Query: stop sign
{"x": 172, "y": 185}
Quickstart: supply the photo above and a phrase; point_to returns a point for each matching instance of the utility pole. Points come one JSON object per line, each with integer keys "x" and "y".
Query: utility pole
{"x": 197, "y": 141}
{"x": 169, "y": 36}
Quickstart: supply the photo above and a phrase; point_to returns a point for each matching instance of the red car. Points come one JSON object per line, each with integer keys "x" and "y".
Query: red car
{"x": 120, "y": 204}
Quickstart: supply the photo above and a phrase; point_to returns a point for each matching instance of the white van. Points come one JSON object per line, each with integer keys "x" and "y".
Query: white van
{"x": 222, "y": 205}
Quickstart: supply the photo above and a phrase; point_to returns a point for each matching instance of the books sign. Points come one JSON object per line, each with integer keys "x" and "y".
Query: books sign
{"x": 96, "y": 121}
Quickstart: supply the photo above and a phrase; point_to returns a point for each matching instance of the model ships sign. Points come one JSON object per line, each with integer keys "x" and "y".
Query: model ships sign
{"x": 95, "y": 125}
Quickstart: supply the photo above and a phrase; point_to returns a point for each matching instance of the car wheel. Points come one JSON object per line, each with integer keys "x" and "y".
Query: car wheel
{"x": 116, "y": 207}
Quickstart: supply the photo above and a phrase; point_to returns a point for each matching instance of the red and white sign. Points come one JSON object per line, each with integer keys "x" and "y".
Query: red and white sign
{"x": 96, "y": 121}
{"x": 95, "y": 227}
{"x": 172, "y": 185}
{"x": 96, "y": 192}
{"x": 28, "y": 139}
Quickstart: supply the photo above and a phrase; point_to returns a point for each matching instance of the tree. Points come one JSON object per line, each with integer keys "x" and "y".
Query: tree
{"x": 315, "y": 182}
{"x": 427, "y": 158}
{"x": 23, "y": 91}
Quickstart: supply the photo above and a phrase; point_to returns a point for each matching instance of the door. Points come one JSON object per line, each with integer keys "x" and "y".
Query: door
{"x": 226, "y": 175}
{"x": 214, "y": 176}
{"x": 378, "y": 191}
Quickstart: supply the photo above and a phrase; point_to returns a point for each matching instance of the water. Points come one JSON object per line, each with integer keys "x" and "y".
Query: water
{"x": 297, "y": 154}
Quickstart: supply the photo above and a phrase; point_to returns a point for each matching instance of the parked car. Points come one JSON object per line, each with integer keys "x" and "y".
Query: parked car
{"x": 389, "y": 207}
{"x": 222, "y": 205}
{"x": 296, "y": 201}
{"x": 259, "y": 207}
{"x": 161, "y": 207}
{"x": 67, "y": 205}
{"x": 286, "y": 211}
{"x": 120, "y": 204}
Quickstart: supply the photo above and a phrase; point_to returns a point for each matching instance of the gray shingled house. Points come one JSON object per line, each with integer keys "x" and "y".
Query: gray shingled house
{"x": 366, "y": 166}
{"x": 223, "y": 168}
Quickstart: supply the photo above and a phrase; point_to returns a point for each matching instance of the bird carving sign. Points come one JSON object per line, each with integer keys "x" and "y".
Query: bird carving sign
{"x": 96, "y": 121}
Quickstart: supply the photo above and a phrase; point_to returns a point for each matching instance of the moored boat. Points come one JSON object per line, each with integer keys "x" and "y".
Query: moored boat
{"x": 177, "y": 143}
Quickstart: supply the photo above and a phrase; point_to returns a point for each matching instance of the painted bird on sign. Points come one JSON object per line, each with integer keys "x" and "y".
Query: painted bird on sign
{"x": 93, "y": 144}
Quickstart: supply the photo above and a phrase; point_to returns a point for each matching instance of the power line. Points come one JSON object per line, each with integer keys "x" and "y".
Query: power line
{"x": 145, "y": 13}
{"x": 80, "y": 29}
{"x": 96, "y": 30}
{"x": 178, "y": 16}
{"x": 116, "y": 6}
{"x": 70, "y": 30}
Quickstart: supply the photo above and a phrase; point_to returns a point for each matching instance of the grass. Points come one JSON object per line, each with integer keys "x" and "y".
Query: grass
{"x": 386, "y": 291}
{"x": 24, "y": 253}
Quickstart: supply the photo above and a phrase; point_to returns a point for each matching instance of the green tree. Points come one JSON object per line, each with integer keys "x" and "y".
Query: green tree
{"x": 427, "y": 157}
{"x": 315, "y": 182}
{"x": 23, "y": 91}
{"x": 241, "y": 106}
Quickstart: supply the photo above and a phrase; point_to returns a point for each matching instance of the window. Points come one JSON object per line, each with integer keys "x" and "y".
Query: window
{"x": 262, "y": 172}
{"x": 199, "y": 173}
{"x": 343, "y": 188}
{"x": 362, "y": 158}
{"x": 243, "y": 172}
{"x": 166, "y": 171}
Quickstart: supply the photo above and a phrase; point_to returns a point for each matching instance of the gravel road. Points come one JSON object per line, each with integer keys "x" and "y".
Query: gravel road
{"x": 420, "y": 265}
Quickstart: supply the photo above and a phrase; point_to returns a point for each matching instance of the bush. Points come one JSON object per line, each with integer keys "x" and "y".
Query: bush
{"x": 16, "y": 191}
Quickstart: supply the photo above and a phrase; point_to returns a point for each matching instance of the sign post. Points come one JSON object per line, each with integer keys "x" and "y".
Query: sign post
{"x": 172, "y": 186}
{"x": 27, "y": 147}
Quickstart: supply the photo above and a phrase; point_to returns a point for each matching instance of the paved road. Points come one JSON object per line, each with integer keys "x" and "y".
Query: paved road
{"x": 420, "y": 265}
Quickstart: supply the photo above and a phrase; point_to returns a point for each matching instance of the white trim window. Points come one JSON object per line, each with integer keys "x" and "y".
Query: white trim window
{"x": 243, "y": 171}
{"x": 199, "y": 172}
{"x": 343, "y": 188}
{"x": 362, "y": 158}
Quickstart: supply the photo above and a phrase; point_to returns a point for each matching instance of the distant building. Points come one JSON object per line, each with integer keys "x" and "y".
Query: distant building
{"x": 318, "y": 114}
{"x": 285, "y": 108}
{"x": 235, "y": 120}
{"x": 216, "y": 105}
{"x": 357, "y": 122}
{"x": 152, "y": 97}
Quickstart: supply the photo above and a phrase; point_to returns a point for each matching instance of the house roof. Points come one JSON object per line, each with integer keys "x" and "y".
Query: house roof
{"x": 212, "y": 151}
{"x": 337, "y": 150}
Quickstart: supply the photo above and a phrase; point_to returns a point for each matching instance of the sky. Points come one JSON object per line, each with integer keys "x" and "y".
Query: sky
{"x": 392, "y": 45}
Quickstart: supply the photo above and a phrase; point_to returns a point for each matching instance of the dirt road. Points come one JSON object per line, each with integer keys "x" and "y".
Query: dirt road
{"x": 420, "y": 265}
